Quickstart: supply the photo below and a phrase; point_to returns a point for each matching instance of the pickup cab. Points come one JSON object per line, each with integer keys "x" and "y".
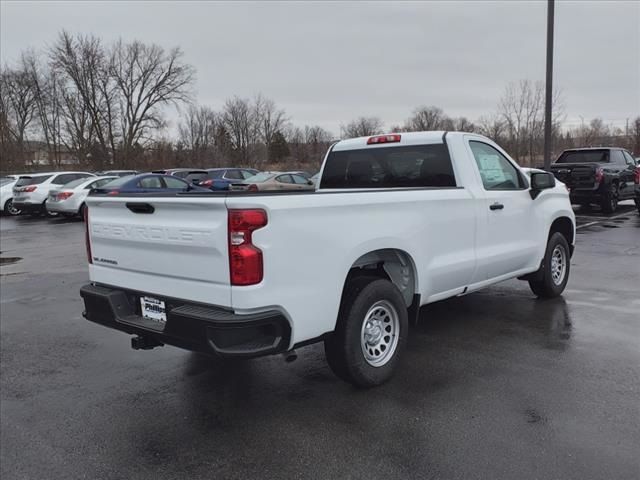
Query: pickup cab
{"x": 396, "y": 222}
{"x": 601, "y": 176}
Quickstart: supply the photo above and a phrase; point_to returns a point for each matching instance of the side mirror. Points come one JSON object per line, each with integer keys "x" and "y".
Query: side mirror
{"x": 541, "y": 181}
{"x": 309, "y": 182}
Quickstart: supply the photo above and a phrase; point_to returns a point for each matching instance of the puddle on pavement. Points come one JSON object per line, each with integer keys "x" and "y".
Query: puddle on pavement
{"x": 9, "y": 260}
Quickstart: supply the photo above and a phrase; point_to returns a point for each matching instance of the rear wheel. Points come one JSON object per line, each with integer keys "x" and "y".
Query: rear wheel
{"x": 10, "y": 209}
{"x": 81, "y": 211}
{"x": 609, "y": 202}
{"x": 370, "y": 332}
{"x": 555, "y": 268}
{"x": 46, "y": 212}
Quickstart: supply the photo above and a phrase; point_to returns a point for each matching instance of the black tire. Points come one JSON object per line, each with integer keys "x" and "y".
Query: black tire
{"x": 548, "y": 285}
{"x": 9, "y": 208}
{"x": 609, "y": 201}
{"x": 343, "y": 348}
{"x": 638, "y": 205}
{"x": 81, "y": 211}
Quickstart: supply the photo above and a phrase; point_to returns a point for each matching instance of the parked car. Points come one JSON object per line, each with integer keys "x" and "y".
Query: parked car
{"x": 31, "y": 191}
{"x": 274, "y": 181}
{"x": 147, "y": 183}
{"x": 6, "y": 195}
{"x": 117, "y": 173}
{"x": 399, "y": 221}
{"x": 69, "y": 200}
{"x": 191, "y": 175}
{"x": 221, "y": 178}
{"x": 636, "y": 184}
{"x": 600, "y": 175}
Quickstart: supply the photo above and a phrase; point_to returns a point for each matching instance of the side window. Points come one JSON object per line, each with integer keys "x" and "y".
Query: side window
{"x": 246, "y": 174}
{"x": 175, "y": 183}
{"x": 617, "y": 157}
{"x": 300, "y": 180}
{"x": 496, "y": 171}
{"x": 150, "y": 182}
{"x": 63, "y": 178}
{"x": 233, "y": 175}
{"x": 284, "y": 179}
{"x": 629, "y": 159}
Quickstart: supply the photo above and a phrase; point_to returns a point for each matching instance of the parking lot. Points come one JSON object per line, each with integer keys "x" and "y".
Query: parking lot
{"x": 495, "y": 384}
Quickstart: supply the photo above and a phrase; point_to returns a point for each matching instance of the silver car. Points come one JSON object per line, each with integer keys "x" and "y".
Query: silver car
{"x": 69, "y": 200}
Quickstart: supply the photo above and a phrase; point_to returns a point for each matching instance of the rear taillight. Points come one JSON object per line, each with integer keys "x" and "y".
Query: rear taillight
{"x": 383, "y": 139}
{"x": 245, "y": 259}
{"x": 599, "y": 175}
{"x": 87, "y": 240}
{"x": 253, "y": 188}
{"x": 30, "y": 188}
{"x": 113, "y": 192}
{"x": 206, "y": 183}
{"x": 64, "y": 195}
{"x": 636, "y": 176}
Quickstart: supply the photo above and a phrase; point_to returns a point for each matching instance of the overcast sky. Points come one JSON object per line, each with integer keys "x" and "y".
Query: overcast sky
{"x": 327, "y": 63}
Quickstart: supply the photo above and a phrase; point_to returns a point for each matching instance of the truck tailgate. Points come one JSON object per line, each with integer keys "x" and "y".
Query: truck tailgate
{"x": 166, "y": 246}
{"x": 575, "y": 175}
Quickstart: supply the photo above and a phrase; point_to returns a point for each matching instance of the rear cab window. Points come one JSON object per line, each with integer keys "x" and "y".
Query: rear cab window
{"x": 584, "y": 156}
{"x": 389, "y": 167}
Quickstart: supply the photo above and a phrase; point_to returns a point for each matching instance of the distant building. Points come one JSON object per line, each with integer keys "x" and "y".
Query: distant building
{"x": 37, "y": 154}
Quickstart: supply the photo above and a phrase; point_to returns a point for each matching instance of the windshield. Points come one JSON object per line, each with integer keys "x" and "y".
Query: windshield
{"x": 585, "y": 156}
{"x": 36, "y": 180}
{"x": 260, "y": 177}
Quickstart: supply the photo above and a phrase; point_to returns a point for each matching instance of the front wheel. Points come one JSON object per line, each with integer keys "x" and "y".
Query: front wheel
{"x": 555, "y": 268}
{"x": 10, "y": 209}
{"x": 370, "y": 332}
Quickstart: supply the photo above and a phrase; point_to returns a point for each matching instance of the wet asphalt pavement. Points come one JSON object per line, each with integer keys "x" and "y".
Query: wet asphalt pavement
{"x": 493, "y": 385}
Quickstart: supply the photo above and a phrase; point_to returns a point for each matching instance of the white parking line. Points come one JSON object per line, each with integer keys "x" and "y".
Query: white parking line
{"x": 603, "y": 220}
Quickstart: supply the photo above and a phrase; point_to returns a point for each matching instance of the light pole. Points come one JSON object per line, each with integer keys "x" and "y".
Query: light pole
{"x": 548, "y": 87}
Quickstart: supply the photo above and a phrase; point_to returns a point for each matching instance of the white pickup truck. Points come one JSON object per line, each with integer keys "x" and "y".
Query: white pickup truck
{"x": 397, "y": 221}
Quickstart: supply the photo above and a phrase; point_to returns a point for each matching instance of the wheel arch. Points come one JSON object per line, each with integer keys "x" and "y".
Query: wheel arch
{"x": 565, "y": 227}
{"x": 393, "y": 264}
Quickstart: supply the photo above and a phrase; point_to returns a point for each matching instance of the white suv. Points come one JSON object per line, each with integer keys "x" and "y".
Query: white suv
{"x": 31, "y": 191}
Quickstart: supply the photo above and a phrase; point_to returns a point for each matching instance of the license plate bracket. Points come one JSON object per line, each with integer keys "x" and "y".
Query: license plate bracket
{"x": 153, "y": 309}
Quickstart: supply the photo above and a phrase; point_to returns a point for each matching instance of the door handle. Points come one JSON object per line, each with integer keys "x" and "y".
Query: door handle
{"x": 140, "y": 207}
{"x": 496, "y": 206}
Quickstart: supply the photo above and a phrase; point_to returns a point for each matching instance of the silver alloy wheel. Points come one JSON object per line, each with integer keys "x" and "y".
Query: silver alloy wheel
{"x": 558, "y": 264}
{"x": 379, "y": 334}
{"x": 11, "y": 210}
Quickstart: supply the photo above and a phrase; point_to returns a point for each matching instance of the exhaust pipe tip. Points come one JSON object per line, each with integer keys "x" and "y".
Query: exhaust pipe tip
{"x": 290, "y": 356}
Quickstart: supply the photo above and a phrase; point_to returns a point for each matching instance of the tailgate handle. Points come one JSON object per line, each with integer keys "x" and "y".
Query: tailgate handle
{"x": 140, "y": 207}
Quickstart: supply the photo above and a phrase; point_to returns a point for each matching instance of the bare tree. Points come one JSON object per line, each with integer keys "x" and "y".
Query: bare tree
{"x": 17, "y": 108}
{"x": 197, "y": 132}
{"x": 492, "y": 126}
{"x": 49, "y": 105}
{"x": 522, "y": 109}
{"x": 146, "y": 78}
{"x": 426, "y": 118}
{"x": 238, "y": 118}
{"x": 83, "y": 63}
{"x": 362, "y": 127}
{"x": 269, "y": 119}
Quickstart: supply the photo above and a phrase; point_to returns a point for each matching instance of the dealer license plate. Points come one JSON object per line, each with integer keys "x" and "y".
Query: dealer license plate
{"x": 153, "y": 309}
